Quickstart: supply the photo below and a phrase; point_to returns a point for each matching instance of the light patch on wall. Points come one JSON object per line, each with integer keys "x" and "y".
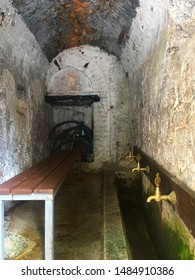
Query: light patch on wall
{"x": 69, "y": 80}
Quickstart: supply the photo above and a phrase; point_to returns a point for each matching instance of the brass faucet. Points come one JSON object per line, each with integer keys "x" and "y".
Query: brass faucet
{"x": 130, "y": 155}
{"x": 158, "y": 197}
{"x": 138, "y": 168}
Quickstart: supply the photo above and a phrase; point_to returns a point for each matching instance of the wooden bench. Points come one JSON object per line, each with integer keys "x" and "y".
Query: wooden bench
{"x": 40, "y": 182}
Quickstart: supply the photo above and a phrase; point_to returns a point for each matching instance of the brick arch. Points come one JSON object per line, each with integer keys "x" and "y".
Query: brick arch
{"x": 84, "y": 60}
{"x": 101, "y": 73}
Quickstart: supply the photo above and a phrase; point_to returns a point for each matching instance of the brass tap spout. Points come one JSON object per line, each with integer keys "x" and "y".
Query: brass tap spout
{"x": 130, "y": 155}
{"x": 139, "y": 168}
{"x": 157, "y": 196}
{"x": 152, "y": 197}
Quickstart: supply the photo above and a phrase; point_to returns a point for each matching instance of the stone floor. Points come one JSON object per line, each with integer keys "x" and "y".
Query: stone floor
{"x": 78, "y": 222}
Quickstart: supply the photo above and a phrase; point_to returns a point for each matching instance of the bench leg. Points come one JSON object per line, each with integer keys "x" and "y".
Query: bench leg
{"x": 79, "y": 167}
{"x": 49, "y": 229}
{"x": 1, "y": 229}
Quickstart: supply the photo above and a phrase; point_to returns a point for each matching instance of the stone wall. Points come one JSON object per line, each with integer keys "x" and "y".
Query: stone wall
{"x": 171, "y": 237}
{"x": 22, "y": 86}
{"x": 161, "y": 69}
{"x": 159, "y": 58}
{"x": 95, "y": 73}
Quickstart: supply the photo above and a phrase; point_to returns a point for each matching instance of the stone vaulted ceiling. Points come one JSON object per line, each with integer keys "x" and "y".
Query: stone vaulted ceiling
{"x": 62, "y": 24}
